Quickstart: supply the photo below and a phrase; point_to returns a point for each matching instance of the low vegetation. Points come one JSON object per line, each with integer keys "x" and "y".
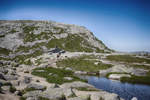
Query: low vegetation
{"x": 54, "y": 75}
{"x": 84, "y": 63}
{"x": 128, "y": 59}
{"x": 136, "y": 79}
{"x": 4, "y": 51}
{"x": 87, "y": 89}
{"x": 141, "y": 66}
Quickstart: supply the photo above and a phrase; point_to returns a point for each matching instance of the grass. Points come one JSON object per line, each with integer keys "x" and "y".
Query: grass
{"x": 87, "y": 89}
{"x": 70, "y": 43}
{"x": 127, "y": 59}
{"x": 141, "y": 66}
{"x": 21, "y": 59}
{"x": 12, "y": 89}
{"x": 42, "y": 98}
{"x": 136, "y": 79}
{"x": 83, "y": 64}
{"x": 57, "y": 75}
{"x": 4, "y": 51}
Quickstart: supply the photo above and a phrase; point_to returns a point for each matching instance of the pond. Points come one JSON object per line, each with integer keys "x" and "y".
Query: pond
{"x": 124, "y": 90}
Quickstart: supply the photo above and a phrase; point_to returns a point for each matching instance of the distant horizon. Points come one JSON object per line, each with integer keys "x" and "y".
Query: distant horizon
{"x": 122, "y": 25}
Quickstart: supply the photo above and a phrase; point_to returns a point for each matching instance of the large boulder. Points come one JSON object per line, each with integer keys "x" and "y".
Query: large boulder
{"x": 10, "y": 77}
{"x": 76, "y": 84}
{"x": 118, "y": 76}
{"x": 57, "y": 93}
{"x": 36, "y": 86}
{"x": 33, "y": 94}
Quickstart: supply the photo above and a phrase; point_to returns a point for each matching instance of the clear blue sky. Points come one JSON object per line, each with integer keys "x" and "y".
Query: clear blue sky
{"x": 123, "y": 25}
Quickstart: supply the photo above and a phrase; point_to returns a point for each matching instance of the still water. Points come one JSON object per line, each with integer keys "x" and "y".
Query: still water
{"x": 124, "y": 90}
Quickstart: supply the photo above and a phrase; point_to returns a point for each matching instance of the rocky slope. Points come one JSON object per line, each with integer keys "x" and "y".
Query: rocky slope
{"x": 23, "y": 39}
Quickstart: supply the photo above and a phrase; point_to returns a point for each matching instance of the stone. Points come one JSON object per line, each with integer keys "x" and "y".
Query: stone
{"x": 50, "y": 74}
{"x": 36, "y": 86}
{"x": 75, "y": 98}
{"x": 10, "y": 77}
{"x": 57, "y": 93}
{"x": 32, "y": 98}
{"x": 68, "y": 68}
{"x": 134, "y": 98}
{"x": 54, "y": 86}
{"x": 3, "y": 82}
{"x": 2, "y": 76}
{"x": 39, "y": 70}
{"x": 76, "y": 84}
{"x": 36, "y": 93}
{"x": 5, "y": 88}
{"x": 3, "y": 70}
{"x": 118, "y": 76}
{"x": 27, "y": 79}
{"x": 80, "y": 72}
{"x": 15, "y": 83}
{"x": 68, "y": 78}
{"x": 96, "y": 63}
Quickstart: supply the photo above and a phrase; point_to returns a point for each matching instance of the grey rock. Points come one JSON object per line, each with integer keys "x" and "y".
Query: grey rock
{"x": 32, "y": 98}
{"x": 76, "y": 98}
{"x": 68, "y": 78}
{"x": 27, "y": 79}
{"x": 15, "y": 83}
{"x": 54, "y": 86}
{"x": 36, "y": 86}
{"x": 50, "y": 74}
{"x": 33, "y": 94}
{"x": 2, "y": 76}
{"x": 76, "y": 84}
{"x": 39, "y": 70}
{"x": 68, "y": 68}
{"x": 134, "y": 98}
{"x": 5, "y": 88}
{"x": 3, "y": 70}
{"x": 10, "y": 77}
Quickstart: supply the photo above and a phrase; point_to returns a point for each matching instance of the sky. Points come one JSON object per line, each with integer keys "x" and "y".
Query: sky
{"x": 123, "y": 25}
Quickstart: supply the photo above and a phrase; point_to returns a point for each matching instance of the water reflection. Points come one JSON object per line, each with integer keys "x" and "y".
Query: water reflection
{"x": 124, "y": 90}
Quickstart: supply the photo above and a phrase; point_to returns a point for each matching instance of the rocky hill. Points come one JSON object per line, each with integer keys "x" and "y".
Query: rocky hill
{"x": 32, "y": 38}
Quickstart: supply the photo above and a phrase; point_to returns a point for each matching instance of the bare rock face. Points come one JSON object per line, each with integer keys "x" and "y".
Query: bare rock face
{"x": 20, "y": 33}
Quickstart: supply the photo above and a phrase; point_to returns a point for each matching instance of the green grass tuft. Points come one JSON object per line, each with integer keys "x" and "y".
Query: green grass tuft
{"x": 128, "y": 59}
{"x": 83, "y": 63}
{"x": 57, "y": 75}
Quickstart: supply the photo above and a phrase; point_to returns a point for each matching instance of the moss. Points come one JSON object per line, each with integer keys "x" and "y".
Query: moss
{"x": 57, "y": 75}
{"x": 22, "y": 98}
{"x": 13, "y": 31}
{"x": 2, "y": 36}
{"x": 128, "y": 59}
{"x": 83, "y": 64}
{"x": 4, "y": 51}
{"x": 42, "y": 98}
{"x": 12, "y": 89}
